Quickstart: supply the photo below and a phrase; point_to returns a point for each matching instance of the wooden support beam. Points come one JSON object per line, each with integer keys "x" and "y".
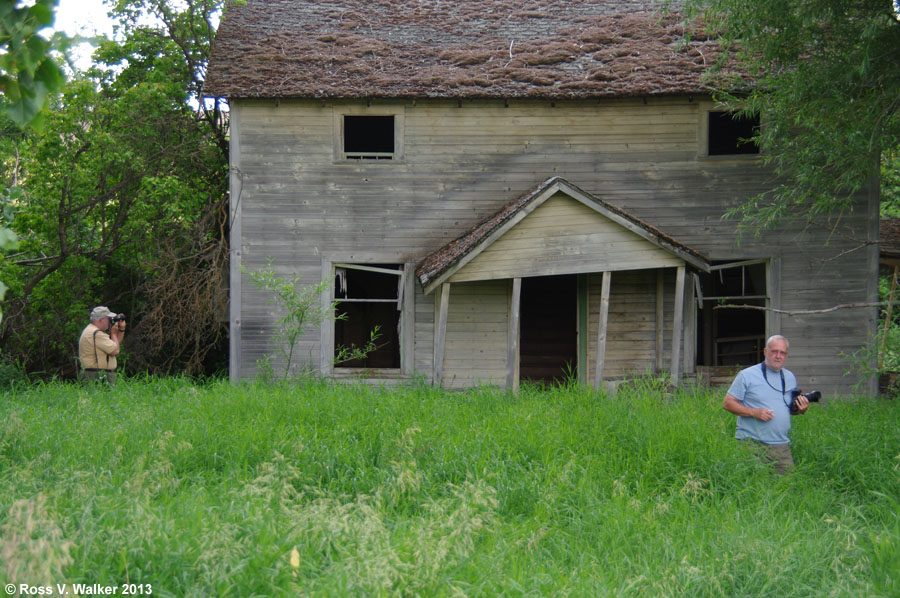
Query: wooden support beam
{"x": 660, "y": 317}
{"x": 326, "y": 335}
{"x": 689, "y": 360}
{"x": 678, "y": 325}
{"x": 408, "y": 320}
{"x": 440, "y": 334}
{"x": 601, "y": 330}
{"x": 512, "y": 343}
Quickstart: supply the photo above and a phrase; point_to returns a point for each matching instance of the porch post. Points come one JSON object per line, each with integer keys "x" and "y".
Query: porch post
{"x": 512, "y": 338}
{"x": 440, "y": 334}
{"x": 660, "y": 317}
{"x": 678, "y": 325}
{"x": 601, "y": 330}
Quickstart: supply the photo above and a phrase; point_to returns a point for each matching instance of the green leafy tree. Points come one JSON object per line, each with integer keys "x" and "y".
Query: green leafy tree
{"x": 124, "y": 202}
{"x": 28, "y": 77}
{"x": 827, "y": 84}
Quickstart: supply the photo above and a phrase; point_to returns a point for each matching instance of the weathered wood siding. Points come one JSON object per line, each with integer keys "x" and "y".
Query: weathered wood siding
{"x": 477, "y": 325}
{"x": 294, "y": 203}
{"x": 631, "y": 336}
{"x": 564, "y": 236}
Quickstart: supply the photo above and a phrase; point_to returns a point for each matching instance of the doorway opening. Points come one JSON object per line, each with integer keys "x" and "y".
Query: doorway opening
{"x": 548, "y": 343}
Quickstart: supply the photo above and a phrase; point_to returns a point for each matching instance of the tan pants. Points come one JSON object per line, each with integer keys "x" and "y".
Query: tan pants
{"x": 777, "y": 455}
{"x": 109, "y": 376}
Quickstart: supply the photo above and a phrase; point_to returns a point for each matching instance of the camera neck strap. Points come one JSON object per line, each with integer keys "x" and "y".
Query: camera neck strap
{"x": 765, "y": 374}
{"x": 763, "y": 368}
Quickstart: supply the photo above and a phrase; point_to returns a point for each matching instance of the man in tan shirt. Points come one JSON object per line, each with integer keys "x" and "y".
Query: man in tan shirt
{"x": 97, "y": 350}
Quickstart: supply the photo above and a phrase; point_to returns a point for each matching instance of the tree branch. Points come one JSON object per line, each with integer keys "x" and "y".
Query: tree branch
{"x": 803, "y": 312}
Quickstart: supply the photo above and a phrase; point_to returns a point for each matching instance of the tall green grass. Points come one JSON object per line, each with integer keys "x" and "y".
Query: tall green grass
{"x": 320, "y": 490}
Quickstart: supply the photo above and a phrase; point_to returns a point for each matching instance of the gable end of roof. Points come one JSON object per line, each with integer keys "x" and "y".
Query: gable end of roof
{"x": 442, "y": 263}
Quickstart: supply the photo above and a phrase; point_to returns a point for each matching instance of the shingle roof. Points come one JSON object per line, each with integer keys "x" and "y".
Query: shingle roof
{"x": 434, "y": 266}
{"x": 454, "y": 49}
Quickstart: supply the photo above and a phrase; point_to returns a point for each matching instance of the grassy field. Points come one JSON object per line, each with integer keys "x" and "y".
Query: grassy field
{"x": 316, "y": 490}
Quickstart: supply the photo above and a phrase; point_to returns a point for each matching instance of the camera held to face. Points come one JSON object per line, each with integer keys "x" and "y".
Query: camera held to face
{"x": 812, "y": 397}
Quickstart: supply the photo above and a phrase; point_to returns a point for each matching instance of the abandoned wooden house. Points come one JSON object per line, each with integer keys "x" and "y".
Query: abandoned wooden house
{"x": 516, "y": 190}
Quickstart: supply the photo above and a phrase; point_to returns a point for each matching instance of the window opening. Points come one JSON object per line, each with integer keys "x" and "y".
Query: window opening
{"x": 731, "y": 134}
{"x": 368, "y": 295}
{"x": 368, "y": 137}
{"x": 730, "y": 337}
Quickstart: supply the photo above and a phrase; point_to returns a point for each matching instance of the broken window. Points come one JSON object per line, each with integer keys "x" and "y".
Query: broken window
{"x": 370, "y": 298}
{"x": 732, "y": 134}
{"x": 368, "y": 137}
{"x": 732, "y": 336}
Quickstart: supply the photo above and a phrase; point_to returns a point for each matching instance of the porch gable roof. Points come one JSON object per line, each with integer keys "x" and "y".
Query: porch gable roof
{"x": 446, "y": 261}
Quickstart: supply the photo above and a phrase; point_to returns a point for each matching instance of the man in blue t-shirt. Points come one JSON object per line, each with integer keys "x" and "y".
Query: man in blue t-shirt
{"x": 761, "y": 398}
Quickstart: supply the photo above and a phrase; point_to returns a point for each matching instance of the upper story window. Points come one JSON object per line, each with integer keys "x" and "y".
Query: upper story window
{"x": 368, "y": 137}
{"x": 729, "y": 134}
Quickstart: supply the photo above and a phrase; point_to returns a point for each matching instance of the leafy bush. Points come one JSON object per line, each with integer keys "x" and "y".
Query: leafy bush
{"x": 11, "y": 373}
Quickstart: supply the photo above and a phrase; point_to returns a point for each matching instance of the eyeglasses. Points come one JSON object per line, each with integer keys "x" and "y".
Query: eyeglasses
{"x": 776, "y": 352}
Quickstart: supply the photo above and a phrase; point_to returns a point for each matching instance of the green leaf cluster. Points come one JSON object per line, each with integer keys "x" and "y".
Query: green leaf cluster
{"x": 28, "y": 72}
{"x": 890, "y": 183}
{"x": 826, "y": 82}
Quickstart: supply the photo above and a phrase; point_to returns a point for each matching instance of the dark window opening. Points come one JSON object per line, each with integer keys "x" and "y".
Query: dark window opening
{"x": 548, "y": 345}
{"x": 732, "y": 336}
{"x": 369, "y": 137}
{"x": 368, "y": 299}
{"x": 731, "y": 134}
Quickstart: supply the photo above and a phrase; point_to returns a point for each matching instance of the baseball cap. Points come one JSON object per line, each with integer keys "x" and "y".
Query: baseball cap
{"x": 101, "y": 311}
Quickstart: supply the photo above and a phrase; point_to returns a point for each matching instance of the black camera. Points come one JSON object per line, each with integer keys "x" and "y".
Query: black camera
{"x": 116, "y": 318}
{"x": 812, "y": 396}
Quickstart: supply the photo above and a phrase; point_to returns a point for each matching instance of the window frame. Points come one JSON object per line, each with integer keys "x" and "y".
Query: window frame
{"x": 703, "y": 138}
{"x": 771, "y": 299}
{"x": 339, "y": 112}
{"x": 406, "y": 335}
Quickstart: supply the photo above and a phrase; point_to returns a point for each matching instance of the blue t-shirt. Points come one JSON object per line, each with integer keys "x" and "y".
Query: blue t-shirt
{"x": 754, "y": 390}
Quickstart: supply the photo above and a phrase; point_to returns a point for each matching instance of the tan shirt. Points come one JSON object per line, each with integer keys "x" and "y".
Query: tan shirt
{"x": 89, "y": 353}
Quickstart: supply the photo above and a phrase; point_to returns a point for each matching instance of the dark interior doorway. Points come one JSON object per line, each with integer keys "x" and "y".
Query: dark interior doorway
{"x": 548, "y": 343}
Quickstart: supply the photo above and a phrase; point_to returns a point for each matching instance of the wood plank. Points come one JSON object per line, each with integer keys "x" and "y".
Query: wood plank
{"x": 236, "y": 363}
{"x": 677, "y": 327}
{"x": 660, "y": 318}
{"x": 602, "y": 330}
{"x": 512, "y": 355}
{"x": 441, "y": 334}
